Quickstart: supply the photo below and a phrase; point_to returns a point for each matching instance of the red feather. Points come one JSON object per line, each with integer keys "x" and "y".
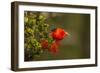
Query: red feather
{"x": 59, "y": 34}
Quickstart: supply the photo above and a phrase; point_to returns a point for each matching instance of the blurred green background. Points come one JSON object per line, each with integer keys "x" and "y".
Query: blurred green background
{"x": 77, "y": 44}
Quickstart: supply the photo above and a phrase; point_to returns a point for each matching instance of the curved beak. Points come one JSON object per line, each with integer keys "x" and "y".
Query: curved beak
{"x": 67, "y": 33}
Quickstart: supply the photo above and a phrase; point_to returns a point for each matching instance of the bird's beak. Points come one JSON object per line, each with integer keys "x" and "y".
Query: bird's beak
{"x": 67, "y": 33}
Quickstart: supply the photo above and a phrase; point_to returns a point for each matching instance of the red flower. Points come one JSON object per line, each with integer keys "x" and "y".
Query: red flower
{"x": 44, "y": 44}
{"x": 53, "y": 48}
{"x": 59, "y": 34}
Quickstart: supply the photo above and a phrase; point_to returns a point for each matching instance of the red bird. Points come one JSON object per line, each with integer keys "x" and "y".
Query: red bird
{"x": 59, "y": 34}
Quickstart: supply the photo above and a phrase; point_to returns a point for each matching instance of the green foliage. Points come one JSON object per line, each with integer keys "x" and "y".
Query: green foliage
{"x": 36, "y": 29}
